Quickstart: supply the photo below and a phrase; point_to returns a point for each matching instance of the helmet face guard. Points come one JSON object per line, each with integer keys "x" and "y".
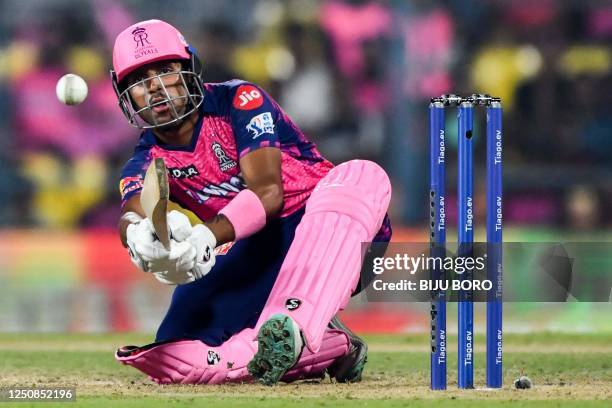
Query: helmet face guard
{"x": 144, "y": 117}
{"x": 145, "y": 43}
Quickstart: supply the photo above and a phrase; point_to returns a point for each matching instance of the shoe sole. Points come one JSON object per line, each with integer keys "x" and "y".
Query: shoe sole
{"x": 350, "y": 367}
{"x": 354, "y": 374}
{"x": 279, "y": 345}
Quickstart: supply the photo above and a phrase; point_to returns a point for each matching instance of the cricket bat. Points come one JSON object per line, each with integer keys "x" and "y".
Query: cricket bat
{"x": 154, "y": 199}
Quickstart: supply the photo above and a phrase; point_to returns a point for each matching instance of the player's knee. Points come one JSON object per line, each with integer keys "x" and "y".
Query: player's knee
{"x": 358, "y": 173}
{"x": 358, "y": 188}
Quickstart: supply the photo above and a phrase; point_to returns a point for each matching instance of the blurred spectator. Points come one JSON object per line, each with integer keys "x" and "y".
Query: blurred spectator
{"x": 307, "y": 94}
{"x": 64, "y": 147}
{"x": 67, "y": 42}
{"x": 583, "y": 209}
{"x": 215, "y": 50}
{"x": 357, "y": 29}
{"x": 427, "y": 31}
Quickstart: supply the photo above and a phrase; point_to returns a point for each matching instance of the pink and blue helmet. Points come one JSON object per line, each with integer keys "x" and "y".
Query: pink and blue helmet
{"x": 147, "y": 42}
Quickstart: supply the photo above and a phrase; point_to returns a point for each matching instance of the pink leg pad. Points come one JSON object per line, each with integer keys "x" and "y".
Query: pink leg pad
{"x": 321, "y": 269}
{"x": 193, "y": 362}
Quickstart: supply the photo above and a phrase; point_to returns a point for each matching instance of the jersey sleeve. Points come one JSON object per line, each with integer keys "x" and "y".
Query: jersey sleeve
{"x": 132, "y": 175}
{"x": 253, "y": 115}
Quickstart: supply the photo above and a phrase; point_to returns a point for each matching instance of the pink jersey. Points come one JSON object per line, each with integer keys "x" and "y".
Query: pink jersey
{"x": 236, "y": 118}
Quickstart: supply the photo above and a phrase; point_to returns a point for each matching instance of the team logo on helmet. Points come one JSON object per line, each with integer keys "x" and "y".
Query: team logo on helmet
{"x": 140, "y": 37}
{"x": 143, "y": 45}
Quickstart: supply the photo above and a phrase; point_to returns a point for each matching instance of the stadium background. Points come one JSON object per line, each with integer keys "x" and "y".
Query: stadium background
{"x": 356, "y": 76}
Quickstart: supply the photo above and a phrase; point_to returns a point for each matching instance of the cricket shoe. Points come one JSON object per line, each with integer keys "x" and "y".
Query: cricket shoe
{"x": 279, "y": 345}
{"x": 349, "y": 367}
{"x": 128, "y": 351}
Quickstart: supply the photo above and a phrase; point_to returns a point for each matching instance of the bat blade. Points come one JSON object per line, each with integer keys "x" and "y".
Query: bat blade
{"x": 154, "y": 199}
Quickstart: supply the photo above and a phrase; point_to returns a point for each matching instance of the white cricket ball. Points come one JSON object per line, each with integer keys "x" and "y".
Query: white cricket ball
{"x": 71, "y": 89}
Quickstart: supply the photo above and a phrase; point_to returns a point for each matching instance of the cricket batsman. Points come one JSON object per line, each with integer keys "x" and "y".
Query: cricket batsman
{"x": 265, "y": 308}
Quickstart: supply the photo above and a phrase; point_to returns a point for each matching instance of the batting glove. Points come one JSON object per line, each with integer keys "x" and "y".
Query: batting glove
{"x": 179, "y": 225}
{"x": 200, "y": 243}
{"x": 149, "y": 255}
{"x": 140, "y": 239}
{"x": 204, "y": 242}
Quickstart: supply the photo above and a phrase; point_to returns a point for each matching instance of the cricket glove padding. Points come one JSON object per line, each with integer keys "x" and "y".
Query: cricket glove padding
{"x": 179, "y": 259}
{"x": 179, "y": 226}
{"x": 149, "y": 255}
{"x": 176, "y": 268}
{"x": 204, "y": 241}
{"x": 140, "y": 240}
{"x": 201, "y": 243}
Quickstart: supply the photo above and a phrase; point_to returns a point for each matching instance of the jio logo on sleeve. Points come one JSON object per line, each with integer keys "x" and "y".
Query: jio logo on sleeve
{"x": 247, "y": 97}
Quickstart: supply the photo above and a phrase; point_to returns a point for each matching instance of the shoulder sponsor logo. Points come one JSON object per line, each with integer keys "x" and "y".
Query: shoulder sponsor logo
{"x": 130, "y": 189}
{"x": 129, "y": 184}
{"x": 260, "y": 124}
{"x": 225, "y": 162}
{"x": 183, "y": 172}
{"x": 247, "y": 97}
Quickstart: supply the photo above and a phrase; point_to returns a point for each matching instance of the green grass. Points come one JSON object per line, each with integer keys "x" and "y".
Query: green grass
{"x": 274, "y": 402}
{"x": 567, "y": 370}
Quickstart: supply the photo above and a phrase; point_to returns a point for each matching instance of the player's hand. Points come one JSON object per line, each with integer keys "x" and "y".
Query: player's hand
{"x": 177, "y": 262}
{"x": 175, "y": 276}
{"x": 202, "y": 268}
{"x": 202, "y": 243}
{"x": 140, "y": 239}
{"x": 179, "y": 226}
{"x": 149, "y": 255}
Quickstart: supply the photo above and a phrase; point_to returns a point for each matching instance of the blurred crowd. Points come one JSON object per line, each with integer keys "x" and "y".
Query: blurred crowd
{"x": 356, "y": 76}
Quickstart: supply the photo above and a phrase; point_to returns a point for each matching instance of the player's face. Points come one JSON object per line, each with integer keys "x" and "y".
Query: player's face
{"x": 159, "y": 88}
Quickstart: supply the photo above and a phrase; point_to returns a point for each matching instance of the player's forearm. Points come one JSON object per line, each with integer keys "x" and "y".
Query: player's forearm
{"x": 271, "y": 197}
{"x": 125, "y": 220}
{"x": 261, "y": 170}
{"x": 221, "y": 228}
{"x": 131, "y": 213}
